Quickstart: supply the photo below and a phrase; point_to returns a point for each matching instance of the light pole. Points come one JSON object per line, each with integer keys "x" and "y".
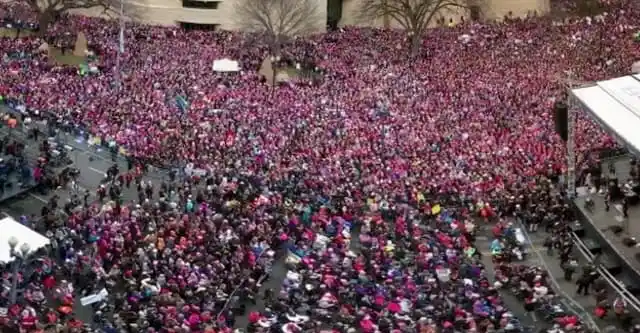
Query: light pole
{"x": 18, "y": 258}
{"x": 274, "y": 61}
{"x": 120, "y": 46}
{"x": 299, "y": 70}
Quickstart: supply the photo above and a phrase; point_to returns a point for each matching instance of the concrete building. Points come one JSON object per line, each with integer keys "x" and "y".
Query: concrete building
{"x": 219, "y": 14}
{"x": 498, "y": 9}
{"x": 485, "y": 10}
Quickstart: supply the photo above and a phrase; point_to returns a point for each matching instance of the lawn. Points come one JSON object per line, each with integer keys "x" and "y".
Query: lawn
{"x": 55, "y": 54}
{"x": 291, "y": 71}
{"x": 12, "y": 33}
{"x": 65, "y": 59}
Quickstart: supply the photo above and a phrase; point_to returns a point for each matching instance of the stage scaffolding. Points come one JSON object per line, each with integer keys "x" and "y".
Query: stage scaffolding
{"x": 573, "y": 105}
{"x": 612, "y": 104}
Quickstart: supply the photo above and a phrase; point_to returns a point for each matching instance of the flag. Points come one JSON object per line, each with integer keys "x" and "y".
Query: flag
{"x": 182, "y": 103}
{"x": 121, "y": 38}
{"x": 84, "y": 69}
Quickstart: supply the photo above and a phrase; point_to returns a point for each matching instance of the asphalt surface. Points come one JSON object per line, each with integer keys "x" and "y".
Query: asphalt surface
{"x": 274, "y": 282}
{"x": 92, "y": 171}
{"x": 483, "y": 244}
{"x": 582, "y": 305}
{"x": 93, "y": 166}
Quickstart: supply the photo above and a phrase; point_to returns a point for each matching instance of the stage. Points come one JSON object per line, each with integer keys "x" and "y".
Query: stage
{"x": 602, "y": 230}
{"x": 14, "y": 190}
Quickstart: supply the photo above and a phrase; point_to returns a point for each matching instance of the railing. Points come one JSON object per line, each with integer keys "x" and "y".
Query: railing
{"x": 241, "y": 284}
{"x": 67, "y": 134}
{"x": 73, "y": 129}
{"x": 608, "y": 154}
{"x": 617, "y": 285}
{"x": 572, "y": 304}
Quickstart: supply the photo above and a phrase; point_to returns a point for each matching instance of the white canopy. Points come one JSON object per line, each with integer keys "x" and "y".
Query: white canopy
{"x": 12, "y": 228}
{"x": 226, "y": 65}
{"x": 615, "y": 104}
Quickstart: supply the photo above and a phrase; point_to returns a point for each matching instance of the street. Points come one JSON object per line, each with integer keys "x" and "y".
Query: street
{"x": 584, "y": 305}
{"x": 93, "y": 167}
{"x": 94, "y": 164}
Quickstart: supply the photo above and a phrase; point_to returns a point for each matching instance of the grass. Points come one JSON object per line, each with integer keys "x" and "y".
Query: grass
{"x": 56, "y": 54}
{"x": 65, "y": 59}
{"x": 296, "y": 74}
{"x": 290, "y": 70}
{"x": 13, "y": 33}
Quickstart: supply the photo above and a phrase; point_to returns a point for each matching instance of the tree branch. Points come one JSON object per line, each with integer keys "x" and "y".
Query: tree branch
{"x": 278, "y": 19}
{"x": 427, "y": 14}
{"x": 399, "y": 10}
{"x": 413, "y": 15}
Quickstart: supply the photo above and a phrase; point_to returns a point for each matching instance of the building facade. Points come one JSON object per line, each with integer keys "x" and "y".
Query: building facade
{"x": 219, "y": 14}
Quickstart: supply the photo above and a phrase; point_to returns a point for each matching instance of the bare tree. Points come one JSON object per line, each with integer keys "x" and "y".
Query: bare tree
{"x": 413, "y": 15}
{"x": 278, "y": 20}
{"x": 580, "y": 8}
{"x": 49, "y": 11}
{"x": 590, "y": 7}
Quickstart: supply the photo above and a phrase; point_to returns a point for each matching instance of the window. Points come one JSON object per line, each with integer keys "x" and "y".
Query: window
{"x": 198, "y": 26}
{"x": 475, "y": 13}
{"x": 200, "y": 4}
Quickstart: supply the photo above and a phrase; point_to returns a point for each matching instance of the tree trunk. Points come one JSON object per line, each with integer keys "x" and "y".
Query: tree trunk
{"x": 275, "y": 45}
{"x": 385, "y": 18}
{"x": 416, "y": 43}
{"x": 44, "y": 22}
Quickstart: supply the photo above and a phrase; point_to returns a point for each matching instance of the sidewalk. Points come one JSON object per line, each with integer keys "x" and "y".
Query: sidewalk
{"x": 483, "y": 243}
{"x": 99, "y": 156}
{"x": 581, "y": 303}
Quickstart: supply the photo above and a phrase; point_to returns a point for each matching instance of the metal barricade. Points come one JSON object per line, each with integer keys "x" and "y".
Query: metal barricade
{"x": 571, "y": 304}
{"x": 267, "y": 262}
{"x": 617, "y": 285}
{"x": 66, "y": 132}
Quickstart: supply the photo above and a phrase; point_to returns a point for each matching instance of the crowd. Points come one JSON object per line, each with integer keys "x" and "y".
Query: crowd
{"x": 374, "y": 145}
{"x": 412, "y": 268}
{"x": 154, "y": 256}
{"x": 495, "y": 121}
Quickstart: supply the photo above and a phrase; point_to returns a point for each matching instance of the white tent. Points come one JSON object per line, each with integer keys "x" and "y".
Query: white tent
{"x": 12, "y": 228}
{"x": 615, "y": 104}
{"x": 226, "y": 65}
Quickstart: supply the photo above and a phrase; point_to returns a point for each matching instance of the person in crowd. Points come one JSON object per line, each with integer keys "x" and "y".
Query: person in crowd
{"x": 584, "y": 282}
{"x": 374, "y": 144}
{"x": 625, "y": 207}
{"x": 569, "y": 268}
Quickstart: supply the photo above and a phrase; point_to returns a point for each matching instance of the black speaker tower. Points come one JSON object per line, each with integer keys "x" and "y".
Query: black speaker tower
{"x": 561, "y": 117}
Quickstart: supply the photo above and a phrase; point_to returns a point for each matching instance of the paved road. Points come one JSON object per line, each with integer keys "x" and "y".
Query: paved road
{"x": 92, "y": 168}
{"x": 93, "y": 165}
{"x": 92, "y": 171}
{"x": 483, "y": 243}
{"x": 274, "y": 282}
{"x": 580, "y": 303}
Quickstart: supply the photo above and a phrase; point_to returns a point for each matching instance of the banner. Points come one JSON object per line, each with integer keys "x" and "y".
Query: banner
{"x": 182, "y": 103}
{"x": 83, "y": 70}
